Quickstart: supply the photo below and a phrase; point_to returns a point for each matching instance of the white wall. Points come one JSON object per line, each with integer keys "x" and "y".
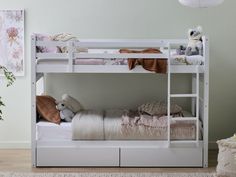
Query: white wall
{"x": 125, "y": 19}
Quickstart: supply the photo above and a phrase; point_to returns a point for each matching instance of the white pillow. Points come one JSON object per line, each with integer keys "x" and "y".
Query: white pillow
{"x": 72, "y": 103}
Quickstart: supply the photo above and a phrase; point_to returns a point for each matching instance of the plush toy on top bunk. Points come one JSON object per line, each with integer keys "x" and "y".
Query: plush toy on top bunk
{"x": 192, "y": 54}
{"x": 195, "y": 46}
{"x": 68, "y": 107}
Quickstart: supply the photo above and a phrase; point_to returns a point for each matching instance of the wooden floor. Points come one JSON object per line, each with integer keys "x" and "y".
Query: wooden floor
{"x": 20, "y": 161}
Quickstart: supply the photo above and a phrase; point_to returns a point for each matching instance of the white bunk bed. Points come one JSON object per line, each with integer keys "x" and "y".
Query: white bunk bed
{"x": 122, "y": 153}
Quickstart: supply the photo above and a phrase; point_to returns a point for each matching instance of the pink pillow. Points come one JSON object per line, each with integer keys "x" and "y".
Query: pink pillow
{"x": 42, "y": 49}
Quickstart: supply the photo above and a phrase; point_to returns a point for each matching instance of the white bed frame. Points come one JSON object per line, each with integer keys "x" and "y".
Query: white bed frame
{"x": 166, "y": 153}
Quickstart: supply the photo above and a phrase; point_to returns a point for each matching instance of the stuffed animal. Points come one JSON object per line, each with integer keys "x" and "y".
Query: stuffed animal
{"x": 194, "y": 46}
{"x": 71, "y": 103}
{"x": 65, "y": 113}
{"x": 181, "y": 50}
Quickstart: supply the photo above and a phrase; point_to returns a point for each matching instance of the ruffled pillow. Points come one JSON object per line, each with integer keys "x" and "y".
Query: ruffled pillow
{"x": 159, "y": 109}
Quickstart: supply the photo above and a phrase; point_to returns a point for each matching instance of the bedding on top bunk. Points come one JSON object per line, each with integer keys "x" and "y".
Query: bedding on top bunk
{"x": 157, "y": 65}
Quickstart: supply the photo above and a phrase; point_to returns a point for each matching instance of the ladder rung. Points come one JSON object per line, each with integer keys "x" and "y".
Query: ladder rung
{"x": 182, "y": 95}
{"x": 184, "y": 118}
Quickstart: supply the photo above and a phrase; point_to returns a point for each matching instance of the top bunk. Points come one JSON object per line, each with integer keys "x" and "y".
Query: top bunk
{"x": 115, "y": 56}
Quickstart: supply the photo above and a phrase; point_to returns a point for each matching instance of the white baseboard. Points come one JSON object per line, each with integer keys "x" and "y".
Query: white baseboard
{"x": 212, "y": 145}
{"x": 15, "y": 144}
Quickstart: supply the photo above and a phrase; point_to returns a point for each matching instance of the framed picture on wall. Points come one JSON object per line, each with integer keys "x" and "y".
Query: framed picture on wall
{"x": 12, "y": 40}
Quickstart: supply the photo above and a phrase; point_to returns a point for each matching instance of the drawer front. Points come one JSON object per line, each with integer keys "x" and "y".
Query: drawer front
{"x": 70, "y": 156}
{"x": 161, "y": 157}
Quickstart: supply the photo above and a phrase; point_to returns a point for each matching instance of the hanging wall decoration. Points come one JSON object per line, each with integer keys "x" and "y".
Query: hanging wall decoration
{"x": 12, "y": 40}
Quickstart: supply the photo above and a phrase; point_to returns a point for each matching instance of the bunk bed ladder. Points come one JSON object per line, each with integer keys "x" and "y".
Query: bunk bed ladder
{"x": 194, "y": 96}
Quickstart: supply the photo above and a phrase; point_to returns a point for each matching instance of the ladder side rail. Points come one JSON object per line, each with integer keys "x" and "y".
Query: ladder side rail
{"x": 193, "y": 100}
{"x": 197, "y": 105}
{"x": 168, "y": 95}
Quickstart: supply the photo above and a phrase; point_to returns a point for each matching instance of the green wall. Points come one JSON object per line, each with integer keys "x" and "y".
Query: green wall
{"x": 125, "y": 19}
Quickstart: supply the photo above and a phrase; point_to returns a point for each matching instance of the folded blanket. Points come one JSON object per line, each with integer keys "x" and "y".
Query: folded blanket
{"x": 88, "y": 125}
{"x": 156, "y": 65}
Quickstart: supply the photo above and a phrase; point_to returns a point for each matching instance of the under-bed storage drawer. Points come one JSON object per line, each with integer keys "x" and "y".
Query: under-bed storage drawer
{"x": 82, "y": 156}
{"x": 161, "y": 157}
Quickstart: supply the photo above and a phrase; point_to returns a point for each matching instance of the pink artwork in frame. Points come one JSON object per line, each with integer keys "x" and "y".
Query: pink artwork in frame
{"x": 12, "y": 40}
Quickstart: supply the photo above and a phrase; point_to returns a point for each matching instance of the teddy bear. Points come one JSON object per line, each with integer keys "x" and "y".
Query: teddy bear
{"x": 65, "y": 113}
{"x": 195, "y": 46}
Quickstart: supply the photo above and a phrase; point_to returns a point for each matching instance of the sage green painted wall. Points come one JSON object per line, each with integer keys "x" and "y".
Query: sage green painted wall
{"x": 124, "y": 19}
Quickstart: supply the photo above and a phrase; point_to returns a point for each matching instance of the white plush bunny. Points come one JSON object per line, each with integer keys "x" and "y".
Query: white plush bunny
{"x": 65, "y": 113}
{"x": 195, "y": 46}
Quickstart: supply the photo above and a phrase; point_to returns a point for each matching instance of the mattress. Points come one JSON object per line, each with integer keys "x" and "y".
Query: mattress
{"x": 51, "y": 131}
{"x": 113, "y": 130}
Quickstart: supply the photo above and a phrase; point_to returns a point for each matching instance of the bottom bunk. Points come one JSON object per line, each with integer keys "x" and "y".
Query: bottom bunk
{"x": 104, "y": 138}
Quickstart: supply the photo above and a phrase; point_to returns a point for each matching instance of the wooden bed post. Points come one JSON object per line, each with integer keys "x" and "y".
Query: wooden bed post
{"x": 33, "y": 100}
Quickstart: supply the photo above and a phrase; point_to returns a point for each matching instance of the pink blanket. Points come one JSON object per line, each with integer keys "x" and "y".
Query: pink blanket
{"x": 133, "y": 118}
{"x": 89, "y": 62}
{"x": 133, "y": 123}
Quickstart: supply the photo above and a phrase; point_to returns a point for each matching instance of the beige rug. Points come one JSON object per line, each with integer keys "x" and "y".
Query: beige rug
{"x": 107, "y": 175}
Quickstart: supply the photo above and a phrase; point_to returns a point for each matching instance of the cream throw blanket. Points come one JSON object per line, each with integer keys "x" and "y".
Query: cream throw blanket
{"x": 88, "y": 125}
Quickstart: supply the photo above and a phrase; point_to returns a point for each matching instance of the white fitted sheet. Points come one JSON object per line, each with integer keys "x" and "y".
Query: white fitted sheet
{"x": 51, "y": 131}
